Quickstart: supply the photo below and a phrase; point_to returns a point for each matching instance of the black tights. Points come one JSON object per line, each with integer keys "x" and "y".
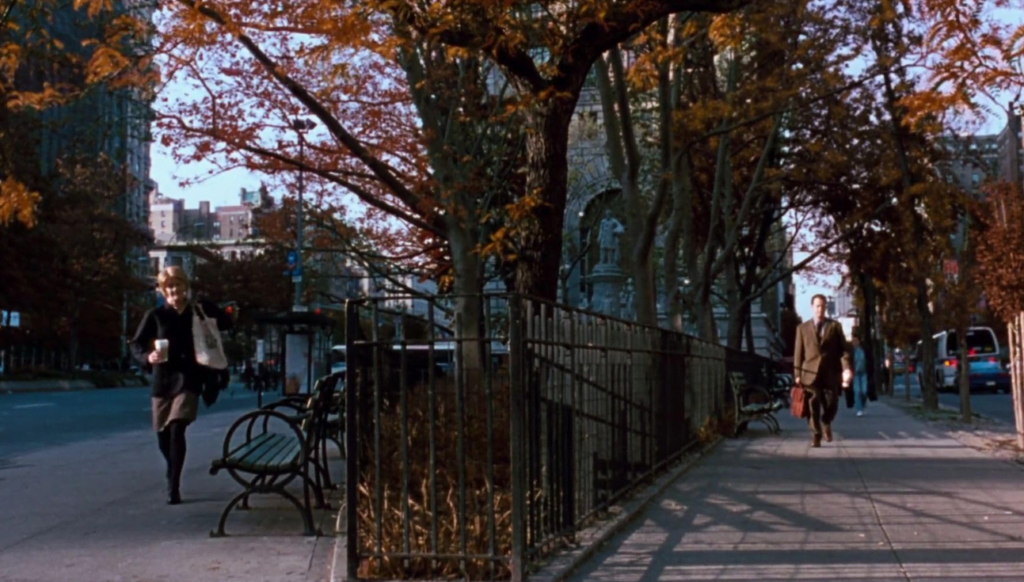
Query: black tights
{"x": 172, "y": 444}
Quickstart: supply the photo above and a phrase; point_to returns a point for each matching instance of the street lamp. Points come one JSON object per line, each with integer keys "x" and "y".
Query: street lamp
{"x": 300, "y": 126}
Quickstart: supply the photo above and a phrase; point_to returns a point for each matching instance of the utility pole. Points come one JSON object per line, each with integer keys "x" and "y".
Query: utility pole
{"x": 300, "y": 125}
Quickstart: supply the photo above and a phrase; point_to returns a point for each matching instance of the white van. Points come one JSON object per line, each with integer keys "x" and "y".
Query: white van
{"x": 981, "y": 343}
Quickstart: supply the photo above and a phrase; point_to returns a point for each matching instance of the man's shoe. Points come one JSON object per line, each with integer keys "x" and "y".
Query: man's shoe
{"x": 860, "y": 413}
{"x": 817, "y": 441}
{"x": 173, "y": 498}
{"x": 828, "y": 433}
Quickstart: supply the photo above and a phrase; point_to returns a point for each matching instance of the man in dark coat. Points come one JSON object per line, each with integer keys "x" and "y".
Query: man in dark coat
{"x": 821, "y": 364}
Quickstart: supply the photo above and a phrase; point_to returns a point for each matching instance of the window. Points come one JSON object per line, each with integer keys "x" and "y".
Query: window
{"x": 216, "y": 237}
{"x": 162, "y": 224}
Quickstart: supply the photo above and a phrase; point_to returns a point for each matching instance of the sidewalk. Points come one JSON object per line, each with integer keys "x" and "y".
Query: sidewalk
{"x": 94, "y": 511}
{"x": 890, "y": 500}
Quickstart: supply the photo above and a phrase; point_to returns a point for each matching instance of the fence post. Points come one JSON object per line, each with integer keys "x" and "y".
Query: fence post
{"x": 517, "y": 391}
{"x": 351, "y": 451}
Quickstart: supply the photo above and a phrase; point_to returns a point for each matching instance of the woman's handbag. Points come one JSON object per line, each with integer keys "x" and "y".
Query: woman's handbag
{"x": 798, "y": 402}
{"x": 206, "y": 337}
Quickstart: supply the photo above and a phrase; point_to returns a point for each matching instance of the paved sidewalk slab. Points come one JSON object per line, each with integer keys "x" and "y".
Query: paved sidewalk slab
{"x": 95, "y": 511}
{"x": 890, "y": 499}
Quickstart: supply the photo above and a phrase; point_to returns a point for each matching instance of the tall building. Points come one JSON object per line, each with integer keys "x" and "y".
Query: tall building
{"x": 102, "y": 120}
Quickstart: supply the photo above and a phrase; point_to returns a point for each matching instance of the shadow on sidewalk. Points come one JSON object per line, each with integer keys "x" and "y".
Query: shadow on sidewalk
{"x": 890, "y": 499}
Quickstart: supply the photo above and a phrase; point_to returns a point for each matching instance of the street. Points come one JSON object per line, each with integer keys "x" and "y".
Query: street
{"x": 34, "y": 420}
{"x": 83, "y": 492}
{"x": 997, "y": 406}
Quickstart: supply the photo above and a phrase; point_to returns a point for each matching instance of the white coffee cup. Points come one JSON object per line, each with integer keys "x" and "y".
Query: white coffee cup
{"x": 162, "y": 346}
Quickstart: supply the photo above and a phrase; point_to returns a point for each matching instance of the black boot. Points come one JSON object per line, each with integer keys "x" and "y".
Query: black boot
{"x": 177, "y": 462}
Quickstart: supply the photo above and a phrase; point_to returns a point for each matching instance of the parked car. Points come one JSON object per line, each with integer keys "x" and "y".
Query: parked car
{"x": 987, "y": 374}
{"x": 987, "y": 370}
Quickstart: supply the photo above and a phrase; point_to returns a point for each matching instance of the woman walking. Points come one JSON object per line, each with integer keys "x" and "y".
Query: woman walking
{"x": 164, "y": 342}
{"x": 860, "y": 376}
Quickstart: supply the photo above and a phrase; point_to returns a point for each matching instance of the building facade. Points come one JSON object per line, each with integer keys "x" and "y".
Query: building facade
{"x": 225, "y": 230}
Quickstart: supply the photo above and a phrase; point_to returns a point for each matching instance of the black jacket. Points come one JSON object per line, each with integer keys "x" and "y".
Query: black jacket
{"x": 180, "y": 371}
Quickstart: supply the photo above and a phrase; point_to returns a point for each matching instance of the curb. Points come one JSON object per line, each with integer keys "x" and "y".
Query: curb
{"x": 950, "y": 408}
{"x": 593, "y": 538}
{"x": 61, "y": 386}
{"x": 337, "y": 571}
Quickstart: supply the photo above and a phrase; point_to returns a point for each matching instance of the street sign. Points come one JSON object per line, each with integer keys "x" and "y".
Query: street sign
{"x": 260, "y": 350}
{"x": 296, "y": 278}
{"x": 293, "y": 259}
{"x": 302, "y": 308}
{"x": 951, "y": 268}
{"x": 10, "y": 319}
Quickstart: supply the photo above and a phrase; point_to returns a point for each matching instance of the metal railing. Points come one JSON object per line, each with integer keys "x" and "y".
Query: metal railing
{"x": 478, "y": 450}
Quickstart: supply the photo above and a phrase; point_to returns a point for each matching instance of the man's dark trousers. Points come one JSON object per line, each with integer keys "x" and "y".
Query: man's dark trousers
{"x": 824, "y": 405}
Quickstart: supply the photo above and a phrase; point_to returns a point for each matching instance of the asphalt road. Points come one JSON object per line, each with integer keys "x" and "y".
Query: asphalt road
{"x": 35, "y": 420}
{"x": 997, "y": 406}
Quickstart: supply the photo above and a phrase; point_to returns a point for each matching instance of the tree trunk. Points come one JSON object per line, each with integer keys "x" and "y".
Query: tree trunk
{"x": 867, "y": 332}
{"x": 748, "y": 319}
{"x": 926, "y": 365}
{"x": 540, "y": 252}
{"x": 467, "y": 287}
{"x": 906, "y": 373}
{"x": 964, "y": 371}
{"x": 76, "y": 313}
{"x": 734, "y": 301}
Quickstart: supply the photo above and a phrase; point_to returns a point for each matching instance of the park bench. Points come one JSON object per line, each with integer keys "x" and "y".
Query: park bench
{"x": 753, "y": 403}
{"x": 331, "y": 429}
{"x": 782, "y": 387}
{"x": 265, "y": 450}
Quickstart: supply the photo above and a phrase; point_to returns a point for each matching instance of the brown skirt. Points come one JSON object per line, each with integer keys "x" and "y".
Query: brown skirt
{"x": 183, "y": 406}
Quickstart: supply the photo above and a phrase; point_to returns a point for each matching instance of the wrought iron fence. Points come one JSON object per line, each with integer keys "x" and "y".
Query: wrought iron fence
{"x": 483, "y": 439}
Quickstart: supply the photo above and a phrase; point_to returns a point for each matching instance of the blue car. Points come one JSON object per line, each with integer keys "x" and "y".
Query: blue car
{"x": 989, "y": 374}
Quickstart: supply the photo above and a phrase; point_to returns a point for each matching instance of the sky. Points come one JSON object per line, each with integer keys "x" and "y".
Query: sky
{"x": 219, "y": 190}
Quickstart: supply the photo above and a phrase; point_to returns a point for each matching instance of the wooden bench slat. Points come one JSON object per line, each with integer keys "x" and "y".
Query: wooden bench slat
{"x": 285, "y": 456}
{"x": 260, "y": 453}
{"x": 247, "y": 448}
{"x": 258, "y": 459}
{"x": 270, "y": 460}
{"x": 255, "y": 453}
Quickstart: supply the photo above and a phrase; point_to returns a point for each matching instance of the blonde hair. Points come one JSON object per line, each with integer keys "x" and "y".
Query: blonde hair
{"x": 170, "y": 274}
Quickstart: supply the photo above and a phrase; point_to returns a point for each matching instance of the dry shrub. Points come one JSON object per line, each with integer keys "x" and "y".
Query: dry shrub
{"x": 717, "y": 426}
{"x": 446, "y": 473}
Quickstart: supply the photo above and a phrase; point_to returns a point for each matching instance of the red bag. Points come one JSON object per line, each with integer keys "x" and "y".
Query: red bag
{"x": 798, "y": 402}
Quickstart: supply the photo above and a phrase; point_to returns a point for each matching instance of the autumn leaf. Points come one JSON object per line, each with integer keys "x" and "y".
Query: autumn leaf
{"x": 17, "y": 202}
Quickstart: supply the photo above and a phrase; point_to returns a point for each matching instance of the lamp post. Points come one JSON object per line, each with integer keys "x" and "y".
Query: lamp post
{"x": 300, "y": 126}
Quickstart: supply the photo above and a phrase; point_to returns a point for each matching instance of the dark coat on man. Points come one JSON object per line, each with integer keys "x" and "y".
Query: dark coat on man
{"x": 820, "y": 362}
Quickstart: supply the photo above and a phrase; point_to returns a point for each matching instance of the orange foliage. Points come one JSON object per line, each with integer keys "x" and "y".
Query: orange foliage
{"x": 1000, "y": 255}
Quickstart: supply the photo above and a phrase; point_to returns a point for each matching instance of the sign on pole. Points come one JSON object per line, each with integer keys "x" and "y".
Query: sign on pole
{"x": 260, "y": 351}
{"x": 10, "y": 319}
{"x": 292, "y": 259}
{"x": 951, "y": 268}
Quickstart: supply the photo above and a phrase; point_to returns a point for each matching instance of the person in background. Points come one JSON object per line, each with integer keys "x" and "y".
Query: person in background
{"x": 860, "y": 376}
{"x": 164, "y": 342}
